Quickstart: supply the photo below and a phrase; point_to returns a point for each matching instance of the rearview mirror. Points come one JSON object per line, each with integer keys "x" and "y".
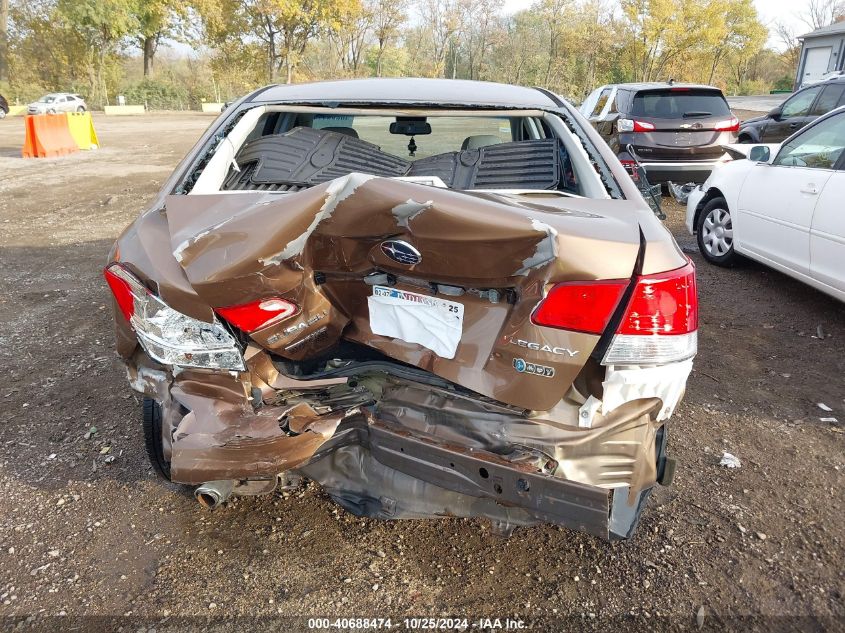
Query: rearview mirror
{"x": 410, "y": 127}
{"x": 775, "y": 113}
{"x": 760, "y": 154}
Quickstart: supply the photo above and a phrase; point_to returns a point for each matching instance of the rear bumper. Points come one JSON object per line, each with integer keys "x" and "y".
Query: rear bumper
{"x": 409, "y": 456}
{"x": 679, "y": 172}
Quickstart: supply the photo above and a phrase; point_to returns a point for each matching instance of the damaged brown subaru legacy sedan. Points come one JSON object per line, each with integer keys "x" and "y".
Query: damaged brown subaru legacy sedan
{"x": 433, "y": 298}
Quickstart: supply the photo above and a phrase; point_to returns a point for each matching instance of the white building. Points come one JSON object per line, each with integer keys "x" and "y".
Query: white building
{"x": 822, "y": 51}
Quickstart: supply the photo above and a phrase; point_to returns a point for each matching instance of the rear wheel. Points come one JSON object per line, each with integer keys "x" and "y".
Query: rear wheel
{"x": 715, "y": 233}
{"x": 744, "y": 138}
{"x": 80, "y": 109}
{"x": 151, "y": 416}
{"x": 2, "y": 113}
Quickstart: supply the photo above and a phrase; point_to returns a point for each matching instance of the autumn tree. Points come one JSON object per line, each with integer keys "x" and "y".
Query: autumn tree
{"x": 350, "y": 35}
{"x": 156, "y": 20}
{"x": 102, "y": 24}
{"x": 388, "y": 18}
{"x": 4, "y": 40}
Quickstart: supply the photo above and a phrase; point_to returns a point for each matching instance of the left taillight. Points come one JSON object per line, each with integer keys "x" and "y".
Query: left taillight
{"x": 167, "y": 335}
{"x": 253, "y": 316}
{"x": 124, "y": 286}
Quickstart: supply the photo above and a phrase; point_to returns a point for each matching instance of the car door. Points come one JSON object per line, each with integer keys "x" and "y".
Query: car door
{"x": 794, "y": 115}
{"x": 827, "y": 233}
{"x": 776, "y": 204}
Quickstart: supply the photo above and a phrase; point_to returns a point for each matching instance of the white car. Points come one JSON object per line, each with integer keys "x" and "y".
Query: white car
{"x": 57, "y": 102}
{"x": 784, "y": 206}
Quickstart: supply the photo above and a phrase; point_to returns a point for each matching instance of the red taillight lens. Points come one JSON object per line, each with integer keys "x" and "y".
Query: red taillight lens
{"x": 253, "y": 316}
{"x": 731, "y": 125}
{"x": 116, "y": 275}
{"x": 581, "y": 306}
{"x": 642, "y": 126}
{"x": 665, "y": 303}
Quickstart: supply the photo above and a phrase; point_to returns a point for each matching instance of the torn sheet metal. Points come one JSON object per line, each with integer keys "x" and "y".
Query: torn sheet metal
{"x": 624, "y": 384}
{"x": 333, "y": 233}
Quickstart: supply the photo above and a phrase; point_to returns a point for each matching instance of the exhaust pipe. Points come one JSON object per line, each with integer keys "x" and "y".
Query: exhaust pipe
{"x": 213, "y": 493}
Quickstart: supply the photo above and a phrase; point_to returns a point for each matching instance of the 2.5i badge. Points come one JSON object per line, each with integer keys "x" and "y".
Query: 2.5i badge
{"x": 524, "y": 367}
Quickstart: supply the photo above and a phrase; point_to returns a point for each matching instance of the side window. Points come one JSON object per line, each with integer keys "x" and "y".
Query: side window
{"x": 603, "y": 97}
{"x": 819, "y": 147}
{"x": 830, "y": 96}
{"x": 800, "y": 104}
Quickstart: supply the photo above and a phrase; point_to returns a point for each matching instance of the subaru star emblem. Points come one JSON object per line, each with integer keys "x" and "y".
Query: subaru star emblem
{"x": 402, "y": 252}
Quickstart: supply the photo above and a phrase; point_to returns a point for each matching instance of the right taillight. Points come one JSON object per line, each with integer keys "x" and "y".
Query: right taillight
{"x": 581, "y": 306}
{"x": 660, "y": 323}
{"x": 731, "y": 125}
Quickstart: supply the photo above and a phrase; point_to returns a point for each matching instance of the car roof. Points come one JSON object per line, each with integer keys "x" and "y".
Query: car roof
{"x": 658, "y": 85}
{"x": 408, "y": 91}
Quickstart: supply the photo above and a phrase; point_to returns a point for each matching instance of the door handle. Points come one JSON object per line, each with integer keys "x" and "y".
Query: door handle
{"x": 792, "y": 126}
{"x": 810, "y": 189}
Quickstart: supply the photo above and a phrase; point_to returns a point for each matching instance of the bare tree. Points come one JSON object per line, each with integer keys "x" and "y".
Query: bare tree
{"x": 789, "y": 38}
{"x": 443, "y": 21}
{"x": 820, "y": 13}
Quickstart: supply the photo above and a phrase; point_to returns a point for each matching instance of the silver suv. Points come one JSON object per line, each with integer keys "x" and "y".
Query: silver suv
{"x": 57, "y": 102}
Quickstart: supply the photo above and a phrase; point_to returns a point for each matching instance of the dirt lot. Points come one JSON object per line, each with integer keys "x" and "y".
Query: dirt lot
{"x": 85, "y": 537}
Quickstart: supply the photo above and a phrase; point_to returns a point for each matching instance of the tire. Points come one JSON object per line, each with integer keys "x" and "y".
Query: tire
{"x": 745, "y": 139}
{"x": 714, "y": 232}
{"x": 80, "y": 109}
{"x": 151, "y": 416}
{"x": 51, "y": 111}
{"x": 2, "y": 113}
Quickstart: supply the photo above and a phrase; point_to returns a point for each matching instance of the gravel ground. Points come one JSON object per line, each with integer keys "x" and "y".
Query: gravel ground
{"x": 88, "y": 531}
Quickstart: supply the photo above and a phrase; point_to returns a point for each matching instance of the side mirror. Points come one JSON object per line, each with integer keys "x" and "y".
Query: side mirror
{"x": 760, "y": 154}
{"x": 775, "y": 113}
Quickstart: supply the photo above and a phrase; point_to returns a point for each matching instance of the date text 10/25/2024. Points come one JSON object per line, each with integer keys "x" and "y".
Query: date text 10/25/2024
{"x": 424, "y": 624}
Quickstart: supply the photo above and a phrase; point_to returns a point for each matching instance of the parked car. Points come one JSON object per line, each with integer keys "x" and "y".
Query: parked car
{"x": 4, "y": 107}
{"x": 57, "y": 102}
{"x": 676, "y": 131}
{"x": 434, "y": 298}
{"x": 782, "y": 207}
{"x": 803, "y": 107}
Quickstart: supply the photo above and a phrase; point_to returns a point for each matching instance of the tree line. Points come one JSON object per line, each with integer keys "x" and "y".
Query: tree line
{"x": 220, "y": 49}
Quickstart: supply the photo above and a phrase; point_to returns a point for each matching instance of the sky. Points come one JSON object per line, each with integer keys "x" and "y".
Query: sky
{"x": 770, "y": 11}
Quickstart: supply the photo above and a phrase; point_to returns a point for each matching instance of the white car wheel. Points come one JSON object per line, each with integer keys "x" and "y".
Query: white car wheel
{"x": 715, "y": 233}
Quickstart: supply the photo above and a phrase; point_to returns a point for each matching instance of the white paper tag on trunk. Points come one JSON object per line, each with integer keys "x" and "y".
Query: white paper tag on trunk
{"x": 428, "y": 321}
